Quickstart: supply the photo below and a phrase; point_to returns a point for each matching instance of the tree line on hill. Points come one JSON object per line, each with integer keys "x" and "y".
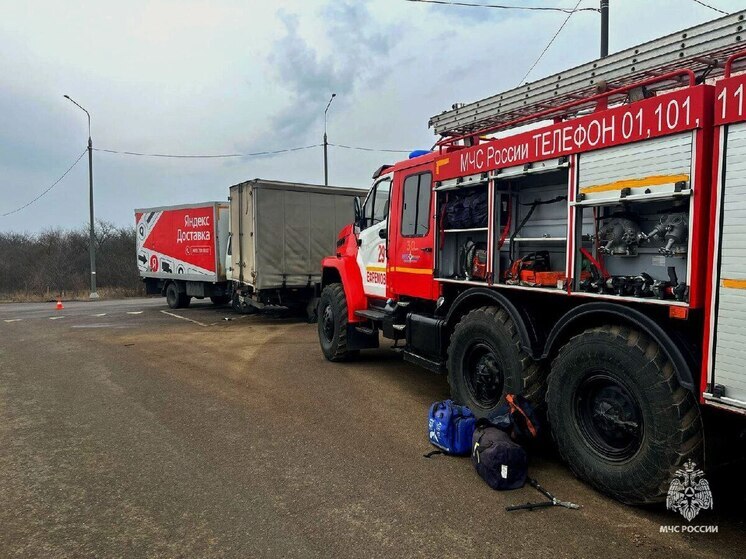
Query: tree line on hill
{"x": 56, "y": 263}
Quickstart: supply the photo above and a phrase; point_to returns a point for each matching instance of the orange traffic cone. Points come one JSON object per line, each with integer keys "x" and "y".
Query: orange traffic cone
{"x": 60, "y": 306}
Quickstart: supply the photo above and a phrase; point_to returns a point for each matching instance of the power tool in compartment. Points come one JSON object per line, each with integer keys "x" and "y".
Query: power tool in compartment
{"x": 532, "y": 270}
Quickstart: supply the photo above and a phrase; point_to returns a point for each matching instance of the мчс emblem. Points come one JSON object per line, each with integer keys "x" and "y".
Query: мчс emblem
{"x": 689, "y": 491}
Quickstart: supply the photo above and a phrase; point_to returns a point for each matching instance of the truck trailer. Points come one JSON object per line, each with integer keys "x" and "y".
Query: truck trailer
{"x": 182, "y": 251}
{"x": 579, "y": 240}
{"x": 280, "y": 232}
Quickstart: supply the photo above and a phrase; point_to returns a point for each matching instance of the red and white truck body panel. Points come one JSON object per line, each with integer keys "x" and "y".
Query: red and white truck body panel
{"x": 186, "y": 242}
{"x": 595, "y": 263}
{"x": 648, "y": 147}
{"x": 723, "y": 372}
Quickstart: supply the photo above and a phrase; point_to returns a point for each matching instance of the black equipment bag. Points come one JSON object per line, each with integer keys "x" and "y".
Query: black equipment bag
{"x": 499, "y": 461}
{"x": 466, "y": 209}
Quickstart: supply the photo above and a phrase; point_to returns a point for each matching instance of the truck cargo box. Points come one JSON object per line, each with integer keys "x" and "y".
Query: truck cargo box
{"x": 282, "y": 230}
{"x": 186, "y": 242}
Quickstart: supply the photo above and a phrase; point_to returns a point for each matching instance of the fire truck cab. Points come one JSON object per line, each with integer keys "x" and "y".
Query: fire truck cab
{"x": 592, "y": 261}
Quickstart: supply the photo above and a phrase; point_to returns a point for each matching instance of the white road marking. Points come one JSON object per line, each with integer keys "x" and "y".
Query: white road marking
{"x": 134, "y": 312}
{"x": 55, "y": 317}
{"x": 99, "y": 314}
{"x": 184, "y": 318}
{"x": 14, "y": 320}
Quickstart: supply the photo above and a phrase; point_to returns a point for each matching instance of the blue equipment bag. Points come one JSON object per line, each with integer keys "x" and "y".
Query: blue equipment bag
{"x": 450, "y": 428}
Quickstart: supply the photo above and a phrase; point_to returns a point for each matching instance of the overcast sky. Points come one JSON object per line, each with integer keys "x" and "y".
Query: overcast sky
{"x": 199, "y": 77}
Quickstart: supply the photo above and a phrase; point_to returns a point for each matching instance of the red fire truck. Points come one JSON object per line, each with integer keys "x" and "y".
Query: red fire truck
{"x": 581, "y": 240}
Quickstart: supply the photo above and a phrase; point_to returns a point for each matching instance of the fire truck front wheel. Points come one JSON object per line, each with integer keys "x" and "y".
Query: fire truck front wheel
{"x": 619, "y": 416}
{"x": 332, "y": 323}
{"x": 486, "y": 361}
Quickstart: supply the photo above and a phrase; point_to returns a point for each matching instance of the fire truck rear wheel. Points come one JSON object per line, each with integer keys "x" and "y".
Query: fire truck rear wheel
{"x": 619, "y": 416}
{"x": 486, "y": 361}
{"x": 332, "y": 323}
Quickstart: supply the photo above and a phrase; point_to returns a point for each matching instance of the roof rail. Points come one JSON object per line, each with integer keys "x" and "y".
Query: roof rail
{"x": 702, "y": 49}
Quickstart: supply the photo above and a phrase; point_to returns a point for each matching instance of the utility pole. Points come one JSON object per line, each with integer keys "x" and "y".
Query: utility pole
{"x": 92, "y": 237}
{"x": 604, "y": 28}
{"x": 326, "y": 143}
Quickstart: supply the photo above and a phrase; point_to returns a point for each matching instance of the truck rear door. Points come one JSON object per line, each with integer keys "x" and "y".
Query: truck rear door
{"x": 726, "y": 355}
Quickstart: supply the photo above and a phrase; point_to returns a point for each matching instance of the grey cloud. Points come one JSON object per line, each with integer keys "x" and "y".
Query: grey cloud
{"x": 359, "y": 55}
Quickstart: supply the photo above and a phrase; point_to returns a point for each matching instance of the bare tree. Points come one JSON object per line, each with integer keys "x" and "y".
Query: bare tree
{"x": 55, "y": 261}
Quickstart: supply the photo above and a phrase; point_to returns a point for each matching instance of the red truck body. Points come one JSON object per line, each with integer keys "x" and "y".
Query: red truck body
{"x": 595, "y": 262}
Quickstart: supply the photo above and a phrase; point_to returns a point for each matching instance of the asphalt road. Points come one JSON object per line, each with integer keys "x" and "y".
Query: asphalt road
{"x": 129, "y": 432}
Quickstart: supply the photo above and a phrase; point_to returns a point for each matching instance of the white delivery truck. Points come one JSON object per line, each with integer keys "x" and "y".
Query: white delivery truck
{"x": 182, "y": 250}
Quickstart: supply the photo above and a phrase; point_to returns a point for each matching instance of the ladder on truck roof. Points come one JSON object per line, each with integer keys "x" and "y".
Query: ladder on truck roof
{"x": 702, "y": 48}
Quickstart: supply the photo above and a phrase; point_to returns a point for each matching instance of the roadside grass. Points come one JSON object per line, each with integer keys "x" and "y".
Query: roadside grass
{"x": 78, "y": 295}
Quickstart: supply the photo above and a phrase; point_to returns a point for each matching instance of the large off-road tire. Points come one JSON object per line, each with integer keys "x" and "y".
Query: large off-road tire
{"x": 220, "y": 300}
{"x": 332, "y": 323}
{"x": 172, "y": 296}
{"x": 619, "y": 416}
{"x": 486, "y": 361}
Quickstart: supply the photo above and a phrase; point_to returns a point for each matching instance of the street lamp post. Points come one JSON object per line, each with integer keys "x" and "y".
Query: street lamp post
{"x": 326, "y": 143}
{"x": 91, "y": 241}
{"x": 604, "y": 28}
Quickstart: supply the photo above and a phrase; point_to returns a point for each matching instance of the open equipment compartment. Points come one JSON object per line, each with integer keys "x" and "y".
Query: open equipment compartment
{"x": 531, "y": 225}
{"x": 640, "y": 223}
{"x": 463, "y": 228}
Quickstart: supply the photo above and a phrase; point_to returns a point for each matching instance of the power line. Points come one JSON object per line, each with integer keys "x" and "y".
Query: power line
{"x": 55, "y": 183}
{"x": 711, "y": 7}
{"x": 214, "y": 156}
{"x": 233, "y": 155}
{"x": 505, "y": 7}
{"x": 546, "y": 48}
{"x": 371, "y": 149}
{"x": 178, "y": 156}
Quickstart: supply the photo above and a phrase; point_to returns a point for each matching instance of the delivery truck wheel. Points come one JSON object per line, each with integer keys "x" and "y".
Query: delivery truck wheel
{"x": 332, "y": 323}
{"x": 241, "y": 307}
{"x": 619, "y": 416}
{"x": 172, "y": 296}
{"x": 220, "y": 299}
{"x": 486, "y": 361}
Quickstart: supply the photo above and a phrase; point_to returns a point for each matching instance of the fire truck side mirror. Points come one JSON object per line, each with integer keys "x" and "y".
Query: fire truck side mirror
{"x": 358, "y": 211}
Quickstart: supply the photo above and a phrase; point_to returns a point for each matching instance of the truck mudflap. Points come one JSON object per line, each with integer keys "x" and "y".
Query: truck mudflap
{"x": 359, "y": 337}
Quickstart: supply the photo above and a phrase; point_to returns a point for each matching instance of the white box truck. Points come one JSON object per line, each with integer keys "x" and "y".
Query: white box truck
{"x": 280, "y": 232}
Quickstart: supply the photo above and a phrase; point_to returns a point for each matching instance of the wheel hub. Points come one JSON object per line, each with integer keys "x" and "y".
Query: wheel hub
{"x": 328, "y": 323}
{"x": 609, "y": 417}
{"x": 484, "y": 375}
